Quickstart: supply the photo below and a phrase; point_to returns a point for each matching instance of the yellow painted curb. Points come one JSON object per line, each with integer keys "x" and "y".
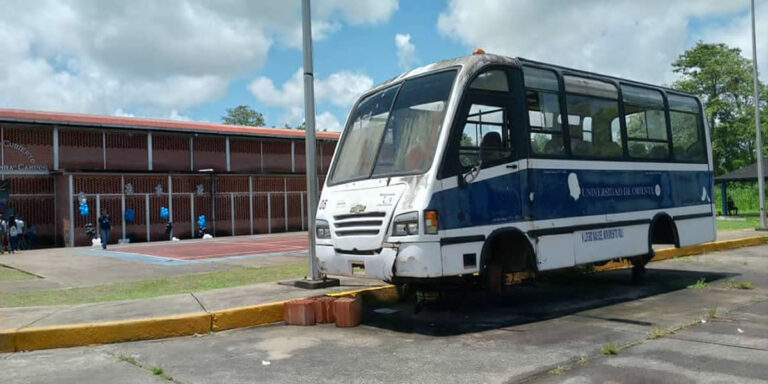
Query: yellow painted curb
{"x": 671, "y": 253}
{"x": 247, "y": 316}
{"x": 6, "y": 340}
{"x": 73, "y": 335}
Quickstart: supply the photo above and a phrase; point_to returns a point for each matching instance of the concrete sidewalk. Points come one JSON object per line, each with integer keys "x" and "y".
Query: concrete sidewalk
{"x": 192, "y": 302}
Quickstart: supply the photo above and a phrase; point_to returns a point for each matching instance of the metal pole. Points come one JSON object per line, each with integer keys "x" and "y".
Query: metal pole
{"x": 759, "y": 139}
{"x": 309, "y": 118}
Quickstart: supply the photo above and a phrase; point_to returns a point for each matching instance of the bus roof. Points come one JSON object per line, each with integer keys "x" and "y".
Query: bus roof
{"x": 474, "y": 62}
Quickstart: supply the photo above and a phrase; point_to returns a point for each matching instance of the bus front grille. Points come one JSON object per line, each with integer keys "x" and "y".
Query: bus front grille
{"x": 358, "y": 224}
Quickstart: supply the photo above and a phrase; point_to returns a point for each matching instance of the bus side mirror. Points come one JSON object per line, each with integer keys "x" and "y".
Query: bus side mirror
{"x": 471, "y": 174}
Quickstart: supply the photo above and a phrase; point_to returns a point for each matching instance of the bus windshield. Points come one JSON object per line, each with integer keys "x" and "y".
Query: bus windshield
{"x": 394, "y": 131}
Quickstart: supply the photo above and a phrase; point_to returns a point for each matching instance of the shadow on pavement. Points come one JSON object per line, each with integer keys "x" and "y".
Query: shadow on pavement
{"x": 471, "y": 310}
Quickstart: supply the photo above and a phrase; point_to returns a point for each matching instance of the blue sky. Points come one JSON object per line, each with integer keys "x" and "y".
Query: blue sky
{"x": 368, "y": 49}
{"x": 192, "y": 59}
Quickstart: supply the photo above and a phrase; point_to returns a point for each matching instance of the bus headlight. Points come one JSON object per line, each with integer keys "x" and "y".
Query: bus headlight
{"x": 430, "y": 222}
{"x": 406, "y": 224}
{"x": 322, "y": 229}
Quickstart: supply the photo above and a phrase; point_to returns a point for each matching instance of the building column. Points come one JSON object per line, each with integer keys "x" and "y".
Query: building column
{"x": 55, "y": 147}
{"x": 285, "y": 203}
{"x": 724, "y": 193}
{"x": 269, "y": 212}
{"x": 232, "y": 211}
{"x": 149, "y": 150}
{"x": 122, "y": 204}
{"x": 170, "y": 198}
{"x": 250, "y": 201}
{"x": 192, "y": 153}
{"x": 293, "y": 156}
{"x": 146, "y": 211}
{"x": 192, "y": 213}
{"x": 104, "y": 148}
{"x": 71, "y": 212}
{"x": 226, "y": 151}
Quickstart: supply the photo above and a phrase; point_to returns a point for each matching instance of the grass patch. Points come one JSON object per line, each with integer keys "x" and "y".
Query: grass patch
{"x": 157, "y": 370}
{"x": 700, "y": 284}
{"x": 712, "y": 312}
{"x": 155, "y": 287}
{"x": 749, "y": 222}
{"x": 557, "y": 371}
{"x": 739, "y": 284}
{"x": 609, "y": 349}
{"x": 658, "y": 332}
{"x": 583, "y": 360}
{"x": 11, "y": 274}
{"x": 128, "y": 359}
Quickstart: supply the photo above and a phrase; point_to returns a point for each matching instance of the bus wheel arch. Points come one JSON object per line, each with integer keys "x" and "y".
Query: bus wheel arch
{"x": 505, "y": 250}
{"x": 662, "y": 230}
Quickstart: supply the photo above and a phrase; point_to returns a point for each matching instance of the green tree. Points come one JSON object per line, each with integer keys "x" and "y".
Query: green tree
{"x": 722, "y": 78}
{"x": 243, "y": 115}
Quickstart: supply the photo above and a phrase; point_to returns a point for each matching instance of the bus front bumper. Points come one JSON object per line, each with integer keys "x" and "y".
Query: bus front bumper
{"x": 404, "y": 260}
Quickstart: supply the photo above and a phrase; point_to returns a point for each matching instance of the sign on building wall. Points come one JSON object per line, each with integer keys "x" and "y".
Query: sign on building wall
{"x": 25, "y": 162}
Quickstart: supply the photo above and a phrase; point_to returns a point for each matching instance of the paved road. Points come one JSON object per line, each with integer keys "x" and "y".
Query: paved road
{"x": 552, "y": 331}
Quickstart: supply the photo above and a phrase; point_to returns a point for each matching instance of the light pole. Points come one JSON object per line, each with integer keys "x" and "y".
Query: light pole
{"x": 313, "y": 280}
{"x": 759, "y": 139}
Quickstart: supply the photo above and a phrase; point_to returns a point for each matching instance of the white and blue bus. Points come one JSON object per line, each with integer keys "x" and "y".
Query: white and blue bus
{"x": 488, "y": 165}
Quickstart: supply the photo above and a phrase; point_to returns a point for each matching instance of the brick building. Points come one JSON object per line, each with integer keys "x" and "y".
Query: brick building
{"x": 245, "y": 180}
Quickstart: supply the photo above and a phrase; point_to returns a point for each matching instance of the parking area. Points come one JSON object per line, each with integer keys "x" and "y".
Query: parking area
{"x": 691, "y": 321}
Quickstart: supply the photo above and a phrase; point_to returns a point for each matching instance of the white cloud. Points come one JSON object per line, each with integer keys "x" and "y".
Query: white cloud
{"x": 635, "y": 39}
{"x": 340, "y": 89}
{"x": 149, "y": 57}
{"x": 738, "y": 33}
{"x": 406, "y": 51}
{"x": 327, "y": 121}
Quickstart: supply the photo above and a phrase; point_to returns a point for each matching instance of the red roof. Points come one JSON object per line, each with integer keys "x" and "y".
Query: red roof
{"x": 27, "y": 116}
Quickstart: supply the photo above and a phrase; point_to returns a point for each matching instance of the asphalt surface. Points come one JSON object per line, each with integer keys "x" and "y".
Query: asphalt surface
{"x": 550, "y": 331}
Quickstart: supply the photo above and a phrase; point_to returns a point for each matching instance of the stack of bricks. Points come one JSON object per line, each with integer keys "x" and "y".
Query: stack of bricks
{"x": 344, "y": 311}
{"x": 324, "y": 309}
{"x": 300, "y": 312}
{"x": 348, "y": 311}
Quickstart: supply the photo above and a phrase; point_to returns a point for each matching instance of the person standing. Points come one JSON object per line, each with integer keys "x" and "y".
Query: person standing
{"x": 13, "y": 235}
{"x": 104, "y": 228}
{"x": 22, "y": 242}
{"x": 3, "y": 233}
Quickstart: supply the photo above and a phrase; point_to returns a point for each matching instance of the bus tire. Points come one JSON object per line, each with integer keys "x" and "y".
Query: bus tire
{"x": 505, "y": 251}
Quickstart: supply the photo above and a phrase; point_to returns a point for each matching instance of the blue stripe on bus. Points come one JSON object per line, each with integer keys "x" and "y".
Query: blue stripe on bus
{"x": 564, "y": 193}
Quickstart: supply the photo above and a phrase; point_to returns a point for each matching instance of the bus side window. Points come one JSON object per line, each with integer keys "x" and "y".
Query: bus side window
{"x": 687, "y": 133}
{"x": 597, "y": 104}
{"x": 484, "y": 127}
{"x": 541, "y": 99}
{"x": 646, "y": 123}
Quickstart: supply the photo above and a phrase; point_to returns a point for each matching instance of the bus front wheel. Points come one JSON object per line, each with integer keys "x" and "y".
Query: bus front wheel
{"x": 638, "y": 267}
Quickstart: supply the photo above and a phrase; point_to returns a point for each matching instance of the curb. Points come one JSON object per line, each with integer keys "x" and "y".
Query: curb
{"x": 75, "y": 335}
{"x": 671, "y": 253}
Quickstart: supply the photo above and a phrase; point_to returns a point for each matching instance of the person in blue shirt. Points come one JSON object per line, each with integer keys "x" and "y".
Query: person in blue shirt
{"x": 104, "y": 228}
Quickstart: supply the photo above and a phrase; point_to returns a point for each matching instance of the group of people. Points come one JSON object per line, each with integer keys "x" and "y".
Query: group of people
{"x": 14, "y": 234}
